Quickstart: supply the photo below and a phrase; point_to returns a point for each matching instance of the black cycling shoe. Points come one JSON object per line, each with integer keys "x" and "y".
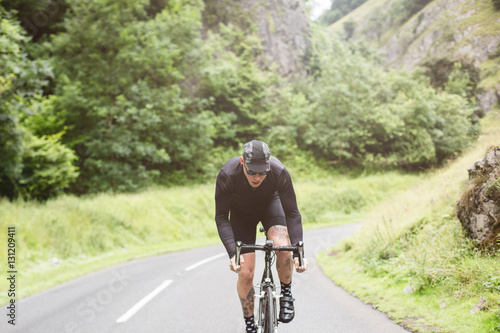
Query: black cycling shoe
{"x": 287, "y": 311}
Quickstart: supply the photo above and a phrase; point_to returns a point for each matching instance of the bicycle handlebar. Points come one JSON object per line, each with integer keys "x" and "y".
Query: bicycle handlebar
{"x": 297, "y": 248}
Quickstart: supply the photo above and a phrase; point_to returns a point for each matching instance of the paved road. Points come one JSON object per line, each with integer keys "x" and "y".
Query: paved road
{"x": 191, "y": 291}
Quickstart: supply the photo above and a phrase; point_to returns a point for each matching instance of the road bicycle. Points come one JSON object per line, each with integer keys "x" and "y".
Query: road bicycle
{"x": 266, "y": 294}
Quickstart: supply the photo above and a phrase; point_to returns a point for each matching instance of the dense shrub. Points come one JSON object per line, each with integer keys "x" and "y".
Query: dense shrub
{"x": 47, "y": 168}
{"x": 363, "y": 115}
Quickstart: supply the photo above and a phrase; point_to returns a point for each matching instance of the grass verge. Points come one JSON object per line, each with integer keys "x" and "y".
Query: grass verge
{"x": 413, "y": 261}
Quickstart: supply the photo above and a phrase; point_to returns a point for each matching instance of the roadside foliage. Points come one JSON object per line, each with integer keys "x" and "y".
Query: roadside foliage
{"x": 140, "y": 93}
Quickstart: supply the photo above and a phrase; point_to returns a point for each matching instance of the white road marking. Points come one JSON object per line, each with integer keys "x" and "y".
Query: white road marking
{"x": 143, "y": 302}
{"x": 199, "y": 263}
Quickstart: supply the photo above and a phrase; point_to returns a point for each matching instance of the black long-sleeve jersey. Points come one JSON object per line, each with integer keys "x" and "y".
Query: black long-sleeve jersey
{"x": 233, "y": 192}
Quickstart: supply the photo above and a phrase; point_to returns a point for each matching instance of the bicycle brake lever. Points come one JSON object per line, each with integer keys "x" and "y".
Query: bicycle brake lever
{"x": 237, "y": 253}
{"x": 300, "y": 245}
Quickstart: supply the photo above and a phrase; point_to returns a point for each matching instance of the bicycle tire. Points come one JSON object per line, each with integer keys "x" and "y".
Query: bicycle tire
{"x": 269, "y": 311}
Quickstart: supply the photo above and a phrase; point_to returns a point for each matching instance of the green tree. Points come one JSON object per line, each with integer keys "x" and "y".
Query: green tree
{"x": 128, "y": 85}
{"x": 25, "y": 114}
{"x": 10, "y": 132}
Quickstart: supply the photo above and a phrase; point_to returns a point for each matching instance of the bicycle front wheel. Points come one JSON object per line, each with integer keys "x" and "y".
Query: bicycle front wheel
{"x": 269, "y": 322}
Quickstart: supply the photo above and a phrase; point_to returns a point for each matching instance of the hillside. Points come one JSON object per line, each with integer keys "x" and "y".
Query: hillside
{"x": 411, "y": 258}
{"x": 456, "y": 30}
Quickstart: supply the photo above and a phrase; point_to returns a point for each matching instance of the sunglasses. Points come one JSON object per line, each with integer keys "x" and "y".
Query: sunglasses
{"x": 253, "y": 173}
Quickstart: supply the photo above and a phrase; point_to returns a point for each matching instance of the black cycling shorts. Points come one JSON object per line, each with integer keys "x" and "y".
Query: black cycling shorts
{"x": 245, "y": 225}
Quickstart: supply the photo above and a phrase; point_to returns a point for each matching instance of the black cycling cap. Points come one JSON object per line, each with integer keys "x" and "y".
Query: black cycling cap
{"x": 256, "y": 155}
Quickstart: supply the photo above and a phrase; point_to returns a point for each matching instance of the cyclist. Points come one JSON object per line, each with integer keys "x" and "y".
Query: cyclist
{"x": 250, "y": 189}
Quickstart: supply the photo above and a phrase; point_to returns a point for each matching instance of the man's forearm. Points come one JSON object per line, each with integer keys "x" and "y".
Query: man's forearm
{"x": 226, "y": 234}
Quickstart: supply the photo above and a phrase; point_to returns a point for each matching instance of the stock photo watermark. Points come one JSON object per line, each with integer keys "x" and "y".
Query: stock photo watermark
{"x": 89, "y": 309}
{"x": 11, "y": 275}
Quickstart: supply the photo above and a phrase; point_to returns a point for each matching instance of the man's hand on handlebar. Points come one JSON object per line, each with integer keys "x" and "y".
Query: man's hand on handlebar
{"x": 232, "y": 264}
{"x": 297, "y": 265}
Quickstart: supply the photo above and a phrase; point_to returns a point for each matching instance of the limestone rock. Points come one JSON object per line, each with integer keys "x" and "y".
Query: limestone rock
{"x": 409, "y": 289}
{"x": 479, "y": 208}
{"x": 422, "y": 39}
{"x": 488, "y": 98}
{"x": 480, "y": 306}
{"x": 284, "y": 29}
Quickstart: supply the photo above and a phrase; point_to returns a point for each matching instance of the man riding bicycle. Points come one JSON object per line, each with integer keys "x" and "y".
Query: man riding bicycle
{"x": 250, "y": 189}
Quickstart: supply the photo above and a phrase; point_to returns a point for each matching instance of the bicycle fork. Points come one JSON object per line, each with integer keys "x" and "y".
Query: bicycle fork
{"x": 259, "y": 299}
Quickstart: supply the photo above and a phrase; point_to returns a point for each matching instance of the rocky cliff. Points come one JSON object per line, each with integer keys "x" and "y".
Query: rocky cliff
{"x": 284, "y": 29}
{"x": 458, "y": 30}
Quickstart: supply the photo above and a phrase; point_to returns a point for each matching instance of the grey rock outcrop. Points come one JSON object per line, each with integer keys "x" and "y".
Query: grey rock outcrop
{"x": 436, "y": 32}
{"x": 284, "y": 29}
{"x": 479, "y": 208}
{"x": 488, "y": 98}
{"x": 447, "y": 29}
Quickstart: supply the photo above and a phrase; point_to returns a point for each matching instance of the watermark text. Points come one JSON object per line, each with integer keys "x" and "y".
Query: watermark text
{"x": 11, "y": 275}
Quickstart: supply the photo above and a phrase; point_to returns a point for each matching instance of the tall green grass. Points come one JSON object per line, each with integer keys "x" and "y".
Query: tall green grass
{"x": 91, "y": 232}
{"x": 87, "y": 233}
{"x": 341, "y": 199}
{"x": 416, "y": 242}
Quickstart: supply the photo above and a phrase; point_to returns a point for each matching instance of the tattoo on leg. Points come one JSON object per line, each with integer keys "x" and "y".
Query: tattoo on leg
{"x": 279, "y": 231}
{"x": 284, "y": 265}
{"x": 247, "y": 303}
{"x": 289, "y": 264}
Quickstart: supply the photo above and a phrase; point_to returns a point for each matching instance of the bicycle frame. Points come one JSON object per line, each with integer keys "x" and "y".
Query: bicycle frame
{"x": 266, "y": 294}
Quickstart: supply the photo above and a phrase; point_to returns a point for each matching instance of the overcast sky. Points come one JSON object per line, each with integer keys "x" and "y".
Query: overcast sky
{"x": 319, "y": 7}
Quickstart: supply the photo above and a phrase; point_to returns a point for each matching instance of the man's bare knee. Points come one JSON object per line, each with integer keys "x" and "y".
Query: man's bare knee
{"x": 247, "y": 270}
{"x": 246, "y": 275}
